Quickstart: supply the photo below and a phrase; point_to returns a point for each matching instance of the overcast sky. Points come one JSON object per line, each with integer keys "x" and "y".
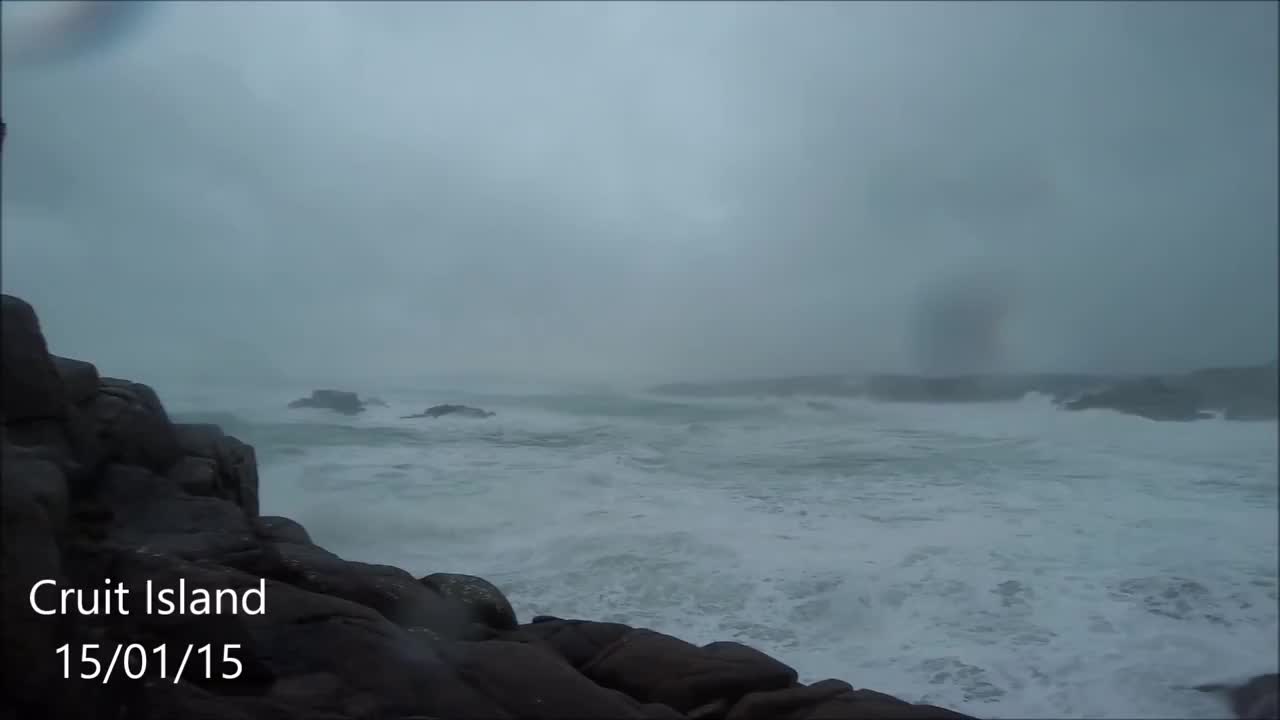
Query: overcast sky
{"x": 657, "y": 191}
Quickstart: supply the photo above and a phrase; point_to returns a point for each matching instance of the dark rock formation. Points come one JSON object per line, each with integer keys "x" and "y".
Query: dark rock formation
{"x": 899, "y": 387}
{"x": 485, "y": 603}
{"x": 347, "y": 403}
{"x": 1151, "y": 398}
{"x": 961, "y": 388}
{"x": 375, "y": 402}
{"x": 1257, "y": 699}
{"x": 102, "y": 490}
{"x": 442, "y": 410}
{"x": 1239, "y": 393}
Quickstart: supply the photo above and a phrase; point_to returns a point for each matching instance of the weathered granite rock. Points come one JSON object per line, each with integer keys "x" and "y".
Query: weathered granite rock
{"x": 80, "y": 378}
{"x": 234, "y": 462}
{"x": 32, "y": 387}
{"x": 195, "y": 475}
{"x": 394, "y": 593}
{"x": 658, "y": 668}
{"x": 34, "y": 515}
{"x": 281, "y": 530}
{"x": 152, "y": 512}
{"x": 788, "y": 702}
{"x": 133, "y": 424}
{"x": 100, "y": 487}
{"x": 301, "y": 632}
{"x": 485, "y": 603}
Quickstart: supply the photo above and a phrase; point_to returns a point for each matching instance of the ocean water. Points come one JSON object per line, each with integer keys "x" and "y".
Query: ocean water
{"x": 1006, "y": 560}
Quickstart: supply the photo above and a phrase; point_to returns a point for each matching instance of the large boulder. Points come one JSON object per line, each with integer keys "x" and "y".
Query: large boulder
{"x": 300, "y": 633}
{"x": 34, "y": 506}
{"x": 152, "y": 511}
{"x": 391, "y": 592}
{"x": 133, "y": 425}
{"x": 720, "y": 680}
{"x": 216, "y": 464}
{"x": 485, "y": 603}
{"x": 80, "y": 378}
{"x": 277, "y": 529}
{"x": 32, "y": 387}
{"x": 340, "y": 401}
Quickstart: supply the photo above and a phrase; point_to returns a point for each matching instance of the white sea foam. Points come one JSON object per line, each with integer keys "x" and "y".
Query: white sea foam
{"x": 1006, "y": 560}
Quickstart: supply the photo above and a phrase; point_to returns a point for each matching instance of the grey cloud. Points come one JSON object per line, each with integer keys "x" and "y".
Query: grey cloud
{"x": 635, "y": 190}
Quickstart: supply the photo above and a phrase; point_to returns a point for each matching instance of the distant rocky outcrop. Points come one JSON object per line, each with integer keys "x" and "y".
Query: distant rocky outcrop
{"x": 1152, "y": 398}
{"x": 889, "y": 387}
{"x": 342, "y": 401}
{"x": 1236, "y": 393}
{"x": 962, "y": 388}
{"x": 375, "y": 402}
{"x": 1239, "y": 393}
{"x": 100, "y": 486}
{"x": 448, "y": 409}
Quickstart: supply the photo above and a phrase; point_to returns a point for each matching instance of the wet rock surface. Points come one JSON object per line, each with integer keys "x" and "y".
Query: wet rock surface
{"x": 101, "y": 489}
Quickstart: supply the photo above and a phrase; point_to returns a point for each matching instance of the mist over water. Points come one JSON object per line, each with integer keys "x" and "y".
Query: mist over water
{"x": 646, "y": 191}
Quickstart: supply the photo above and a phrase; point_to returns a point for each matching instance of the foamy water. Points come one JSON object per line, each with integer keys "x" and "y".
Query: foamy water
{"x": 1003, "y": 560}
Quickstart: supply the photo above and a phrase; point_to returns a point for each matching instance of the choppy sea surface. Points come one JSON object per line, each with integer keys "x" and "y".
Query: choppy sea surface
{"x": 1006, "y": 560}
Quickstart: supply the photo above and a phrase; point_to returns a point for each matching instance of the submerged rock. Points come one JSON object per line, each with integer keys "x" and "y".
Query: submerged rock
{"x": 447, "y": 409}
{"x": 347, "y": 403}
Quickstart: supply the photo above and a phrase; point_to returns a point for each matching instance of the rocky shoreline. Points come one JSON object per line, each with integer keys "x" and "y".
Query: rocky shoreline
{"x": 123, "y": 529}
{"x": 1245, "y": 393}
